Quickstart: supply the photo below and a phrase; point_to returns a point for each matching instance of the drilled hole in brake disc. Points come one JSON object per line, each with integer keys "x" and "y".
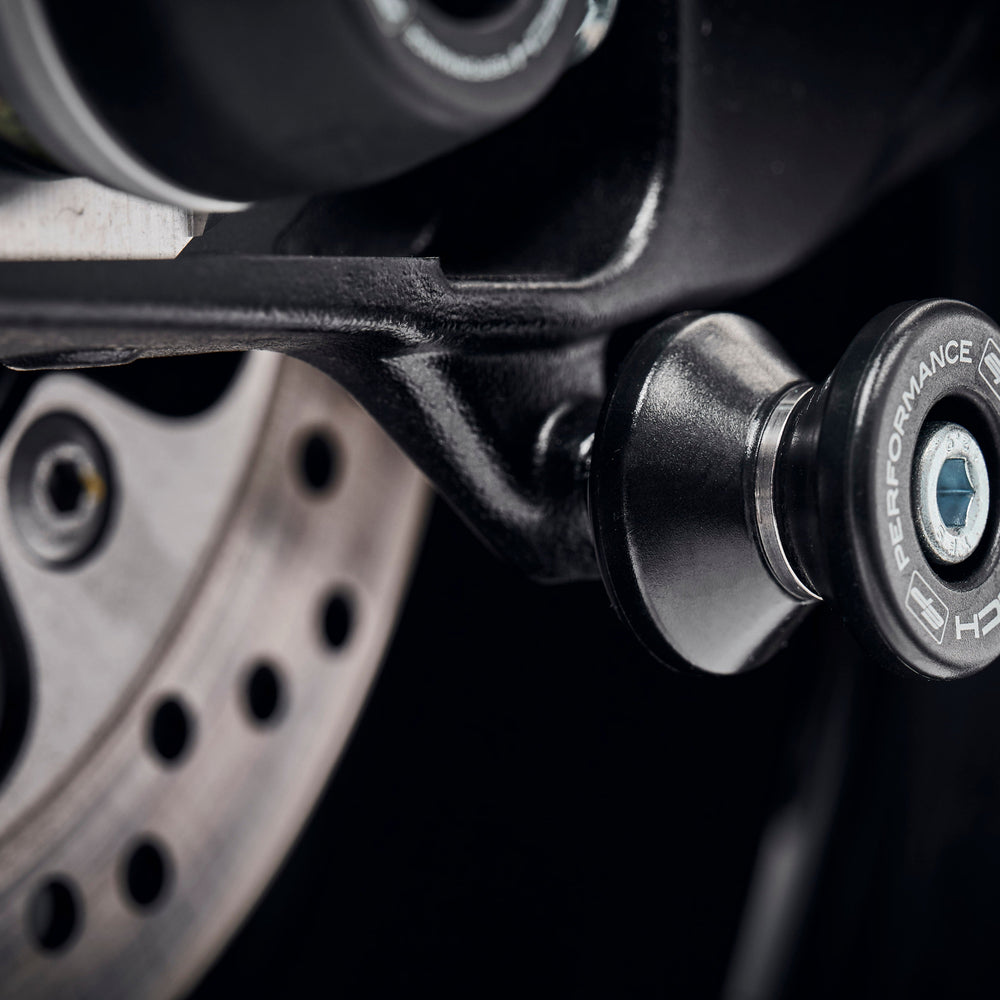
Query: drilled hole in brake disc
{"x": 54, "y": 914}
{"x": 146, "y": 873}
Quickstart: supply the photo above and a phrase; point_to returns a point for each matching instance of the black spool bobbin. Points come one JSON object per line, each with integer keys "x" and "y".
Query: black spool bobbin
{"x": 728, "y": 495}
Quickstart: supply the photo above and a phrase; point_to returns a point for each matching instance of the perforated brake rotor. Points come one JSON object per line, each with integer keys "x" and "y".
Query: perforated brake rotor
{"x": 187, "y": 682}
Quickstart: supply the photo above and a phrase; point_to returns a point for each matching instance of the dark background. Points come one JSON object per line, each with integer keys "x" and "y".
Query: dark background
{"x": 531, "y": 805}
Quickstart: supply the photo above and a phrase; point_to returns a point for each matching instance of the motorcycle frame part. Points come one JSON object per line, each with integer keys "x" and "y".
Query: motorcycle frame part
{"x": 492, "y": 384}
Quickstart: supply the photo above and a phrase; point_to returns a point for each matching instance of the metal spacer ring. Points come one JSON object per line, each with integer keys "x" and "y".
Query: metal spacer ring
{"x": 765, "y": 465}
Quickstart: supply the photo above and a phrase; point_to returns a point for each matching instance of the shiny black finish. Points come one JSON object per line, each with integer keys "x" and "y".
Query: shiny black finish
{"x": 675, "y": 467}
{"x": 671, "y": 493}
{"x": 850, "y": 504}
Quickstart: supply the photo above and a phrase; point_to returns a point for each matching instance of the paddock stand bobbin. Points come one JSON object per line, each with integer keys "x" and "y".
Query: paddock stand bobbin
{"x": 728, "y": 495}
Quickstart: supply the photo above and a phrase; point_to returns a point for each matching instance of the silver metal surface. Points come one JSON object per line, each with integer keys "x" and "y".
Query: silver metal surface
{"x": 765, "y": 465}
{"x": 220, "y": 562}
{"x": 177, "y": 480}
{"x": 78, "y": 219}
{"x": 951, "y": 486}
{"x": 37, "y": 82}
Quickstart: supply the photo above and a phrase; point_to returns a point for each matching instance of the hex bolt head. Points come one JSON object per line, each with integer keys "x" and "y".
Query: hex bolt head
{"x": 951, "y": 487}
{"x": 59, "y": 487}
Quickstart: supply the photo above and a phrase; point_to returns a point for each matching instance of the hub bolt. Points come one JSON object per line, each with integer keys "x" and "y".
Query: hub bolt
{"x": 951, "y": 492}
{"x": 59, "y": 488}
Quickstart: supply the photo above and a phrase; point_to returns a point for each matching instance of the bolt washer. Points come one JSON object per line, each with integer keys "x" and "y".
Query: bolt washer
{"x": 941, "y": 442}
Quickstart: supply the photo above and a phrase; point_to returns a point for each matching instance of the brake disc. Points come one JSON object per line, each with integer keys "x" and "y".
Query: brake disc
{"x": 202, "y": 602}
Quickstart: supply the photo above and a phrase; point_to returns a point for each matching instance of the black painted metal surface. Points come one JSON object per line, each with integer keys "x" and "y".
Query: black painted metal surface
{"x": 850, "y": 465}
{"x": 672, "y": 493}
{"x": 747, "y": 137}
{"x": 676, "y": 498}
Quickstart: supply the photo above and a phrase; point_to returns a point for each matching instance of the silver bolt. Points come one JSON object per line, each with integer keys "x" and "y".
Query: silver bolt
{"x": 952, "y": 492}
{"x": 59, "y": 488}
